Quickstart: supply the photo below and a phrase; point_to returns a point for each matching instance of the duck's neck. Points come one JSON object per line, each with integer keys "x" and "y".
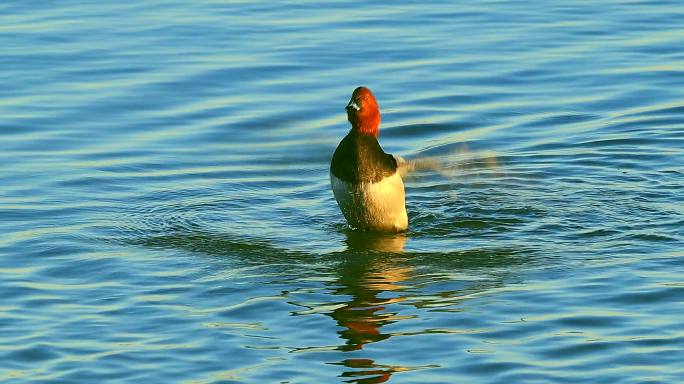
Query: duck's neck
{"x": 367, "y": 126}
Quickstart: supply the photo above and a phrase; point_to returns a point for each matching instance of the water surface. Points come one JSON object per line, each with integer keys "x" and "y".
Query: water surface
{"x": 166, "y": 214}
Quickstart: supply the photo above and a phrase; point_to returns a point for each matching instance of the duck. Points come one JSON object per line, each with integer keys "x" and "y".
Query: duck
{"x": 366, "y": 181}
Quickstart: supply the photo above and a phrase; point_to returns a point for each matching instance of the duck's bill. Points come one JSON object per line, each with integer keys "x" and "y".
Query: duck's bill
{"x": 352, "y": 105}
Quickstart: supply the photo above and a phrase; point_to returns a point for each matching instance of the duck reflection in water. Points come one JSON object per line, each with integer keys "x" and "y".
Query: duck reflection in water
{"x": 373, "y": 266}
{"x": 360, "y": 241}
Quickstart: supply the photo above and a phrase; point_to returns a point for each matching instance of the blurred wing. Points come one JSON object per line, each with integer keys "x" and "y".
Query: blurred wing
{"x": 405, "y": 166}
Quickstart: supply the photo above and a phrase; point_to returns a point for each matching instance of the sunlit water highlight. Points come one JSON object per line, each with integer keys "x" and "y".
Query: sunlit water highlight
{"x": 166, "y": 215}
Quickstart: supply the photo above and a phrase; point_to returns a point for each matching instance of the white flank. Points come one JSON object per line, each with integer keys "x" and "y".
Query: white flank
{"x": 378, "y": 206}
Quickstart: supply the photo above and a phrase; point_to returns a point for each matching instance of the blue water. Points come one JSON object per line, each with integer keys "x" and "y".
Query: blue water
{"x": 166, "y": 214}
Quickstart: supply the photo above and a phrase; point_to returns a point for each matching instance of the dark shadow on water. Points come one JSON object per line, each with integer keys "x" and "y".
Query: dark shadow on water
{"x": 377, "y": 279}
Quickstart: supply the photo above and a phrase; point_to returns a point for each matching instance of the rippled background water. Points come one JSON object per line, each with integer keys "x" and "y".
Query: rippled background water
{"x": 166, "y": 216}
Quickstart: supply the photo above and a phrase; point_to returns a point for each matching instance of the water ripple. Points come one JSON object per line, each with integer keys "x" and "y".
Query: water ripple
{"x": 166, "y": 215}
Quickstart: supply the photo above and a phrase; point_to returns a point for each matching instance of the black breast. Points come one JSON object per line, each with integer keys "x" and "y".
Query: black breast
{"x": 359, "y": 158}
